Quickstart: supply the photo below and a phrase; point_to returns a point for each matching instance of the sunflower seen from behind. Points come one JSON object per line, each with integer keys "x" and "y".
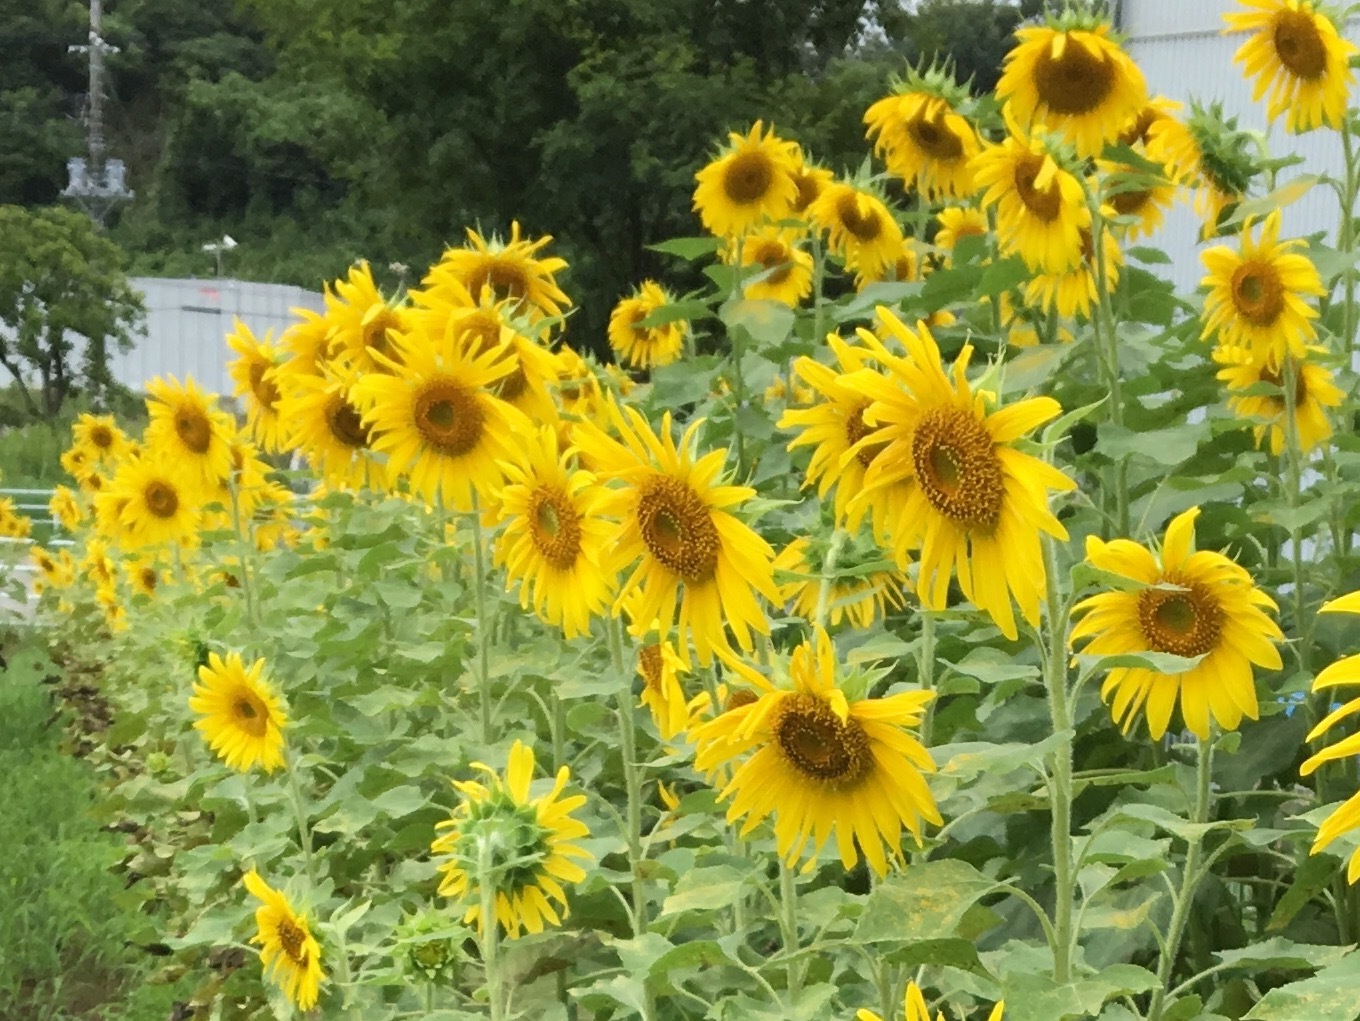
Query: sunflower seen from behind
{"x": 1314, "y": 393}
{"x": 289, "y": 953}
{"x": 646, "y": 347}
{"x": 239, "y": 714}
{"x": 252, "y": 370}
{"x": 751, "y": 181}
{"x": 1209, "y": 154}
{"x": 1185, "y": 602}
{"x": 857, "y": 597}
{"x": 825, "y": 759}
{"x": 187, "y": 427}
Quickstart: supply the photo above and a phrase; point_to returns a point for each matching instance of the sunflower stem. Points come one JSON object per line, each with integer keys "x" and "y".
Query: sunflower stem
{"x": 1108, "y": 338}
{"x": 244, "y": 552}
{"x": 738, "y": 382}
{"x": 1303, "y": 627}
{"x": 300, "y": 814}
{"x": 483, "y": 626}
{"x": 1346, "y": 237}
{"x": 788, "y": 902}
{"x": 1060, "y": 784}
{"x": 833, "y": 553}
{"x": 925, "y": 672}
{"x": 489, "y": 937}
{"x": 1189, "y": 878}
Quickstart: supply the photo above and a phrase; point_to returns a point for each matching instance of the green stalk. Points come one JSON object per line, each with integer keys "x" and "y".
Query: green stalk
{"x": 1346, "y": 237}
{"x": 1303, "y": 626}
{"x": 1190, "y": 878}
{"x": 833, "y": 554}
{"x": 738, "y": 381}
{"x": 489, "y": 937}
{"x": 788, "y": 902}
{"x": 483, "y": 626}
{"x": 245, "y": 552}
{"x": 1060, "y": 785}
{"x": 1108, "y": 339}
{"x": 300, "y": 814}
{"x": 925, "y": 671}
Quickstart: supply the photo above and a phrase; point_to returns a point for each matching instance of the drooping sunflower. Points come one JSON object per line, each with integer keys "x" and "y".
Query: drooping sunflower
{"x": 957, "y": 223}
{"x": 659, "y": 666}
{"x": 66, "y": 508}
{"x": 860, "y": 227}
{"x": 782, "y": 269}
{"x": 155, "y": 505}
{"x": 973, "y": 503}
{"x": 1314, "y": 393}
{"x": 253, "y": 372}
{"x": 810, "y": 180}
{"x": 907, "y": 266}
{"x": 326, "y": 425}
{"x": 529, "y": 840}
{"x": 751, "y": 181}
{"x": 1138, "y": 198}
{"x": 240, "y": 716}
{"x": 506, "y": 270}
{"x": 307, "y": 344}
{"x": 914, "y": 1008}
{"x": 925, "y": 141}
{"x": 437, "y": 421}
{"x": 55, "y": 570}
{"x": 1075, "y": 292}
{"x": 554, "y": 538}
{"x": 1041, "y": 208}
{"x": 187, "y": 426}
{"x": 1186, "y": 603}
{"x": 1298, "y": 56}
{"x": 1345, "y": 672}
{"x": 1074, "y": 80}
{"x": 101, "y": 436}
{"x": 362, "y": 320}
{"x": 698, "y": 568}
{"x": 1257, "y": 294}
{"x": 289, "y": 953}
{"x": 1208, "y": 154}
{"x": 824, "y": 759}
{"x": 646, "y": 347}
{"x": 860, "y": 599}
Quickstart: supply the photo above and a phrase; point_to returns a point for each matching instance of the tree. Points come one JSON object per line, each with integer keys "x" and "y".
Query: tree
{"x": 65, "y": 304}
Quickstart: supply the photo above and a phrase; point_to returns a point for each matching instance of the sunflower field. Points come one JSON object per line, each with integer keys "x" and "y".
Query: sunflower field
{"x": 933, "y": 615}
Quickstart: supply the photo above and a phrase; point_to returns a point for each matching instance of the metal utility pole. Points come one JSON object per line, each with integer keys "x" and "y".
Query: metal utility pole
{"x": 97, "y": 183}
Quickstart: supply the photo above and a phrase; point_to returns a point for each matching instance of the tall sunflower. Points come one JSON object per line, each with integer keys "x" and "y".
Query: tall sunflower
{"x": 1186, "y": 603}
{"x": 253, "y": 372}
{"x": 646, "y": 347}
{"x": 973, "y": 503}
{"x": 362, "y": 320}
{"x": 1314, "y": 393}
{"x": 824, "y": 759}
{"x": 810, "y": 180}
{"x": 860, "y": 227}
{"x": 698, "y": 567}
{"x": 326, "y": 425}
{"x": 240, "y": 716}
{"x": 1075, "y": 80}
{"x": 753, "y": 180}
{"x": 101, "y": 436}
{"x": 923, "y": 139}
{"x": 1041, "y": 208}
{"x": 782, "y": 269}
{"x": 187, "y": 426}
{"x": 1297, "y": 55}
{"x": 907, "y": 266}
{"x": 436, "y": 420}
{"x": 289, "y": 953}
{"x": 501, "y": 270}
{"x": 914, "y": 1008}
{"x": 1256, "y": 294}
{"x": 155, "y": 504}
{"x": 1138, "y": 199}
{"x": 554, "y": 539}
{"x": 858, "y": 598}
{"x": 530, "y": 844}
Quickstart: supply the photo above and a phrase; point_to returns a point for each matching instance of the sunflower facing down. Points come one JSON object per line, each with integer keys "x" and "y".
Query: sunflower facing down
{"x": 1298, "y": 56}
{"x": 528, "y": 842}
{"x": 907, "y": 266}
{"x": 914, "y": 1008}
{"x": 1207, "y": 153}
{"x": 646, "y": 347}
{"x": 780, "y": 270}
{"x": 698, "y": 568}
{"x": 823, "y": 759}
{"x": 924, "y": 141}
{"x": 752, "y": 181}
{"x": 253, "y": 372}
{"x": 289, "y": 953}
{"x": 66, "y": 508}
{"x": 1075, "y": 292}
{"x": 957, "y": 223}
{"x": 554, "y": 537}
{"x": 187, "y": 426}
{"x": 1314, "y": 392}
{"x": 1186, "y": 603}
{"x": 1257, "y": 295}
{"x": 858, "y": 599}
{"x": 239, "y": 715}
{"x": 659, "y": 667}
{"x": 973, "y": 504}
{"x": 860, "y": 227}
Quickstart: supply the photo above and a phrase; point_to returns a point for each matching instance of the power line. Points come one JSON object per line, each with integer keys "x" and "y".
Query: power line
{"x": 94, "y": 181}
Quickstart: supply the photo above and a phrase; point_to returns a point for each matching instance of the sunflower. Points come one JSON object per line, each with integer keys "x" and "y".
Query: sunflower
{"x": 307, "y": 344}
{"x": 1139, "y": 199}
{"x": 646, "y": 347}
{"x": 783, "y": 270}
{"x": 1187, "y": 604}
{"x": 1298, "y": 56}
{"x": 860, "y": 227}
{"x": 57, "y": 570}
{"x": 957, "y": 223}
{"x": 858, "y": 598}
{"x": 324, "y": 423}
{"x": 1075, "y": 292}
{"x": 253, "y": 372}
{"x": 13, "y": 525}
{"x": 289, "y": 953}
{"x": 1256, "y": 295}
{"x": 100, "y": 435}
{"x": 1208, "y": 154}
{"x": 145, "y": 576}
{"x": 752, "y": 181}
{"x": 362, "y": 320}
{"x": 1314, "y": 392}
{"x": 824, "y": 759}
{"x": 554, "y": 538}
{"x": 674, "y": 524}
{"x": 529, "y": 842}
{"x": 154, "y": 503}
{"x": 914, "y": 1008}
{"x": 810, "y": 180}
{"x": 240, "y": 716}
{"x": 1041, "y": 208}
{"x": 973, "y": 503}
{"x": 506, "y": 270}
{"x": 659, "y": 667}
{"x": 907, "y": 266}
{"x": 66, "y": 508}
{"x": 187, "y": 426}
{"x": 925, "y": 141}
{"x": 436, "y": 420}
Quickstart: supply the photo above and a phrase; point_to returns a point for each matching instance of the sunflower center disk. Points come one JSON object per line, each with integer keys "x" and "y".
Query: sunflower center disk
{"x": 1130, "y": 203}
{"x": 449, "y": 417}
{"x": 1258, "y": 294}
{"x": 774, "y": 256}
{"x": 101, "y": 437}
{"x": 148, "y": 578}
{"x": 677, "y": 528}
{"x": 957, "y": 467}
{"x": 264, "y": 389}
{"x": 1076, "y": 83}
{"x": 162, "y": 500}
{"x": 935, "y": 139}
{"x": 555, "y": 528}
{"x": 860, "y": 220}
{"x": 346, "y": 425}
{"x": 292, "y": 940}
{"x": 1299, "y": 46}
{"x": 856, "y": 430}
{"x": 817, "y": 744}
{"x": 251, "y": 715}
{"x": 649, "y": 660}
{"x": 1044, "y": 204}
{"x": 1183, "y": 623}
{"x": 1275, "y": 377}
{"x": 748, "y": 177}
{"x": 194, "y": 430}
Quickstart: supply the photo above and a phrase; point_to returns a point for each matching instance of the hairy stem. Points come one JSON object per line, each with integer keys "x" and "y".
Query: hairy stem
{"x": 1060, "y": 770}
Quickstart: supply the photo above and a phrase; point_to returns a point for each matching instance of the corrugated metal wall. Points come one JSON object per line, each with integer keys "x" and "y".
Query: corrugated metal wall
{"x": 1181, "y": 51}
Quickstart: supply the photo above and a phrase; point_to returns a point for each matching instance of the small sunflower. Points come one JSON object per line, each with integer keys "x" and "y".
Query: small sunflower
{"x": 659, "y": 666}
{"x": 1076, "y": 81}
{"x": 187, "y": 426}
{"x": 57, "y": 571}
{"x": 1297, "y": 55}
{"x": 957, "y": 223}
{"x": 925, "y": 141}
{"x": 698, "y": 568}
{"x": 155, "y": 505}
{"x": 1185, "y": 603}
{"x": 362, "y": 320}
{"x": 860, "y": 227}
{"x": 253, "y": 372}
{"x": 914, "y": 1008}
{"x": 1257, "y": 294}
{"x": 240, "y": 716}
{"x": 100, "y": 435}
{"x": 824, "y": 759}
{"x": 145, "y": 576}
{"x": 66, "y": 508}
{"x": 289, "y": 953}
{"x": 1075, "y": 292}
{"x": 783, "y": 270}
{"x": 750, "y": 182}
{"x": 1041, "y": 208}
{"x": 506, "y": 271}
{"x": 554, "y": 540}
{"x": 859, "y": 599}
{"x": 646, "y": 347}
{"x": 1314, "y": 393}
{"x": 324, "y": 423}
{"x": 973, "y": 503}
{"x": 528, "y": 841}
